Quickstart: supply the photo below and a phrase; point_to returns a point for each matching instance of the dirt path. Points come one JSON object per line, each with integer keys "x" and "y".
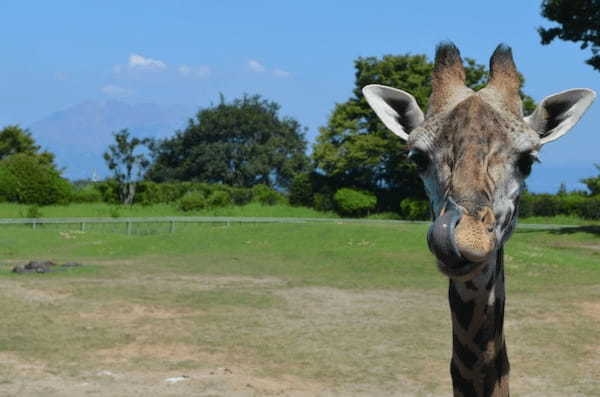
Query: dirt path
{"x": 212, "y": 336}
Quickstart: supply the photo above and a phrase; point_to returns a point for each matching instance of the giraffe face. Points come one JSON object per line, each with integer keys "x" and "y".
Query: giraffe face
{"x": 473, "y": 160}
{"x": 473, "y": 151}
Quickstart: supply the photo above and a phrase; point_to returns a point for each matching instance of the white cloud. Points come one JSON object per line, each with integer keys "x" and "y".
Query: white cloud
{"x": 116, "y": 91}
{"x": 203, "y": 71}
{"x": 137, "y": 61}
{"x": 256, "y": 66}
{"x": 281, "y": 73}
{"x": 189, "y": 71}
{"x": 184, "y": 70}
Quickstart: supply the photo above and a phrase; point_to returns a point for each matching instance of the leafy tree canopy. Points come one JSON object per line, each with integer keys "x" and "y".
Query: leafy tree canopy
{"x": 29, "y": 179}
{"x": 126, "y": 163}
{"x": 242, "y": 143}
{"x": 579, "y": 21}
{"x": 355, "y": 149}
{"x": 14, "y": 139}
{"x": 593, "y": 183}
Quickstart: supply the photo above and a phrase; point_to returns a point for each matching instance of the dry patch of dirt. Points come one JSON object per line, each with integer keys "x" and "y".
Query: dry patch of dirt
{"x": 320, "y": 342}
{"x": 131, "y": 312}
{"x": 157, "y": 351}
{"x": 14, "y": 363}
{"x": 219, "y": 381}
{"x": 29, "y": 294}
{"x": 591, "y": 309}
{"x": 193, "y": 282}
{"x": 162, "y": 359}
{"x": 216, "y": 377}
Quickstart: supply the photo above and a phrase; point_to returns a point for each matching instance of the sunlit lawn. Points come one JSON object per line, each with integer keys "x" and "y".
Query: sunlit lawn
{"x": 336, "y": 307}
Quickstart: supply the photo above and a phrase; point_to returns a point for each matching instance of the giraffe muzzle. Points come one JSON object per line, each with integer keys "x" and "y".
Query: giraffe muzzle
{"x": 461, "y": 242}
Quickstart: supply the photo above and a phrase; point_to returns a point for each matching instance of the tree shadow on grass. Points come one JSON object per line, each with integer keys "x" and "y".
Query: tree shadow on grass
{"x": 592, "y": 229}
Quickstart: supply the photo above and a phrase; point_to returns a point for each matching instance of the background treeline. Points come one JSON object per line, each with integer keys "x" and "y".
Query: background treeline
{"x": 243, "y": 151}
{"x": 196, "y": 196}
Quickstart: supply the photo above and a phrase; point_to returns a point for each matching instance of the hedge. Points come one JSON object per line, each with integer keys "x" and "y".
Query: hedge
{"x": 350, "y": 202}
{"x": 573, "y": 204}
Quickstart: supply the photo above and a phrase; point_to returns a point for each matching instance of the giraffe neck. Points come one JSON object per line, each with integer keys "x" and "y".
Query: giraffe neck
{"x": 479, "y": 366}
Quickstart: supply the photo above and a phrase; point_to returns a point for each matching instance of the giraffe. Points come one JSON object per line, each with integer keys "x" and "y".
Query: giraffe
{"x": 473, "y": 151}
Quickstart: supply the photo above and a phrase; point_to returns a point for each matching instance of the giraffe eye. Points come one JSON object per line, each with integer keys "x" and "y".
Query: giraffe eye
{"x": 420, "y": 159}
{"x": 525, "y": 162}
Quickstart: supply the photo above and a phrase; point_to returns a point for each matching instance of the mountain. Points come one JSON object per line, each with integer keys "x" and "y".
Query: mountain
{"x": 80, "y": 134}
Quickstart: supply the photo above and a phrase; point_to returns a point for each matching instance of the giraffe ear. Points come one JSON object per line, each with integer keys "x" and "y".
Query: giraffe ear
{"x": 558, "y": 113}
{"x": 397, "y": 109}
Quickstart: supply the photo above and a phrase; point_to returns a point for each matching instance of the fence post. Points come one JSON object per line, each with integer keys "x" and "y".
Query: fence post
{"x": 33, "y": 225}
{"x": 128, "y": 228}
{"x": 83, "y": 226}
{"x": 172, "y": 227}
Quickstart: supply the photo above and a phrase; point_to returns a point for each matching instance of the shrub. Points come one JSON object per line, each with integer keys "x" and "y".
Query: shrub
{"x": 27, "y": 179}
{"x": 86, "y": 194}
{"x": 574, "y": 204}
{"x": 148, "y": 193}
{"x": 114, "y": 212}
{"x": 267, "y": 196}
{"x": 571, "y": 204}
{"x": 526, "y": 205}
{"x": 590, "y": 208}
{"x": 219, "y": 198}
{"x": 415, "y": 210}
{"x": 192, "y": 201}
{"x": 301, "y": 191}
{"x": 349, "y": 202}
{"x": 240, "y": 195}
{"x": 32, "y": 212}
{"x": 109, "y": 190}
{"x": 323, "y": 202}
{"x": 546, "y": 205}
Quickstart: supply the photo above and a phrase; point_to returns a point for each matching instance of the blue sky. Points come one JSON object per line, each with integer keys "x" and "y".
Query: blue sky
{"x": 300, "y": 54}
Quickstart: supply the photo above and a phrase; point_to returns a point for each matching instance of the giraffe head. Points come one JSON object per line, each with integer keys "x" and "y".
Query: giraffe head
{"x": 473, "y": 151}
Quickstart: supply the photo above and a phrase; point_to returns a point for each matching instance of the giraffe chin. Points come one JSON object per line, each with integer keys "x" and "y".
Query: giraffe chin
{"x": 465, "y": 272}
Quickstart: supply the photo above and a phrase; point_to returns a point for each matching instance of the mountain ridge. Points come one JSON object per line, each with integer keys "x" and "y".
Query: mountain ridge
{"x": 79, "y": 134}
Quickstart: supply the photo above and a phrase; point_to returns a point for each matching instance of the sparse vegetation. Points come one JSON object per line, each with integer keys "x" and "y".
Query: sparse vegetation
{"x": 317, "y": 303}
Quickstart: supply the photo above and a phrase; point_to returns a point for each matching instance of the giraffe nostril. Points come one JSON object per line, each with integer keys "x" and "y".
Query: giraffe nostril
{"x": 440, "y": 237}
{"x": 488, "y": 218}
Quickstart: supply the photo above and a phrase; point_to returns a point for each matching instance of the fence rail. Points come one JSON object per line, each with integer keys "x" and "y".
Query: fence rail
{"x": 173, "y": 220}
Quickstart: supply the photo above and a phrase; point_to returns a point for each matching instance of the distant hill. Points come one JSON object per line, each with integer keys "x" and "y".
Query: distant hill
{"x": 80, "y": 134}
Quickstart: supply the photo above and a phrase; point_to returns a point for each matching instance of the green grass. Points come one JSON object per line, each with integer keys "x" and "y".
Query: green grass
{"x": 103, "y": 210}
{"x": 559, "y": 220}
{"x": 342, "y": 306}
{"x": 11, "y": 210}
{"x": 344, "y": 255}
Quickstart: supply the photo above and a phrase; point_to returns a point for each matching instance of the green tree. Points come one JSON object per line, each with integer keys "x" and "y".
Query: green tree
{"x": 30, "y": 179}
{"x": 579, "y": 21}
{"x": 593, "y": 183}
{"x": 355, "y": 149}
{"x": 242, "y": 143}
{"x": 14, "y": 139}
{"x": 127, "y": 163}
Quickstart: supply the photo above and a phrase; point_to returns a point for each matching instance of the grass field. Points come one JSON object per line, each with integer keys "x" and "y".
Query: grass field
{"x": 272, "y": 309}
{"x": 13, "y": 210}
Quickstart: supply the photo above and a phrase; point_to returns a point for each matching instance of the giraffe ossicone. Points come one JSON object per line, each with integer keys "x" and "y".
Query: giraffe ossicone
{"x": 473, "y": 150}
